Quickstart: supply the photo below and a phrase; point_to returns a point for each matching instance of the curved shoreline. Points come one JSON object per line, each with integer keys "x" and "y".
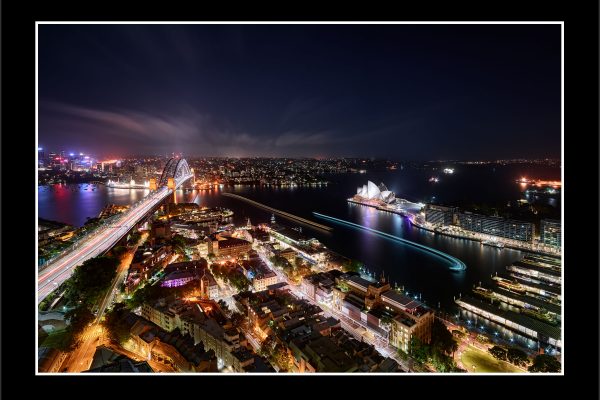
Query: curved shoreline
{"x": 456, "y": 236}
{"x": 456, "y": 264}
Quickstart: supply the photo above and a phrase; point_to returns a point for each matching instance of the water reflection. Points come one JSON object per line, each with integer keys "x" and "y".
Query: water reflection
{"x": 75, "y": 203}
{"x": 417, "y": 272}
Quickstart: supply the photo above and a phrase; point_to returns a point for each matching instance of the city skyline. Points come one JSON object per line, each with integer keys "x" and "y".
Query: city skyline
{"x": 70, "y": 154}
{"x": 299, "y": 198}
{"x": 476, "y": 91}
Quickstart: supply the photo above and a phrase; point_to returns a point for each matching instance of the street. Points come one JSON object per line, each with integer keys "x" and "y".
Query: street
{"x": 99, "y": 242}
{"x": 81, "y": 358}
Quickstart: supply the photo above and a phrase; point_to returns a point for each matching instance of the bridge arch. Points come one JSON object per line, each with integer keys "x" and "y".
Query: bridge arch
{"x": 175, "y": 168}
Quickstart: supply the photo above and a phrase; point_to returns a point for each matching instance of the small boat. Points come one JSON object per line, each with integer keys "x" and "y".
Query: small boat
{"x": 493, "y": 243}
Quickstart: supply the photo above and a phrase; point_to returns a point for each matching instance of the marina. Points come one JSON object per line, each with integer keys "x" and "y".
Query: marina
{"x": 527, "y": 309}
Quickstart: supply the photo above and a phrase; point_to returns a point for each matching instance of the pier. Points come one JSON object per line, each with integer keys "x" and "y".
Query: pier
{"x": 279, "y": 212}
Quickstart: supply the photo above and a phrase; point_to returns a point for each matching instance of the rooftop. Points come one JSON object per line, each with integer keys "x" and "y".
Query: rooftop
{"x": 278, "y": 285}
{"x": 404, "y": 301}
{"x": 552, "y": 289}
{"x": 328, "y": 356}
{"x": 123, "y": 364}
{"x": 292, "y": 234}
{"x": 543, "y": 270}
{"x": 545, "y": 259}
{"x": 360, "y": 282}
{"x": 232, "y": 242}
{"x": 553, "y": 308}
{"x": 405, "y": 320}
{"x": 200, "y": 264}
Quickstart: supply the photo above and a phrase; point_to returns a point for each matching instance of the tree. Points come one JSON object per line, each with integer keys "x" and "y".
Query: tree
{"x": 281, "y": 262}
{"x": 237, "y": 318}
{"x": 267, "y": 347}
{"x": 119, "y": 251}
{"x": 402, "y": 354}
{"x": 282, "y": 357}
{"x": 441, "y": 339}
{"x": 79, "y": 318}
{"x": 385, "y": 322}
{"x": 91, "y": 279}
{"x": 352, "y": 265}
{"x": 499, "y": 353}
{"x": 178, "y": 242}
{"x": 517, "y": 356}
{"x": 115, "y": 323}
{"x": 239, "y": 281}
{"x": 442, "y": 362}
{"x": 134, "y": 237}
{"x": 223, "y": 305}
{"x": 544, "y": 363}
{"x": 419, "y": 350}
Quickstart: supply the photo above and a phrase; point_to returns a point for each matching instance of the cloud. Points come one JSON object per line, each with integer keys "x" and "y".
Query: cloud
{"x": 187, "y": 130}
{"x": 292, "y": 138}
{"x": 130, "y": 132}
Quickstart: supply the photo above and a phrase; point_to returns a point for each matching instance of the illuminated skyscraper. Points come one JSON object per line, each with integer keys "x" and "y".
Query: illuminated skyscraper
{"x": 550, "y": 232}
{"x": 41, "y": 157}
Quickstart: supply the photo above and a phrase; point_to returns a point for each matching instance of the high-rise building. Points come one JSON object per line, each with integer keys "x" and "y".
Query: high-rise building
{"x": 550, "y": 232}
{"x": 55, "y": 161}
{"x": 439, "y": 215}
{"x": 41, "y": 157}
{"x": 496, "y": 226}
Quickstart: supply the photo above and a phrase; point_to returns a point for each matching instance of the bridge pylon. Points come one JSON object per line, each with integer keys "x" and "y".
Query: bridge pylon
{"x": 153, "y": 185}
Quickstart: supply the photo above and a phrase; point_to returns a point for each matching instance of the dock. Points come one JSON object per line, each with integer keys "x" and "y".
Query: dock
{"x": 279, "y": 212}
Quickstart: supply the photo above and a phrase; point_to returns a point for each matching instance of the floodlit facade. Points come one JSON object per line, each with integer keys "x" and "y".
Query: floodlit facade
{"x": 550, "y": 232}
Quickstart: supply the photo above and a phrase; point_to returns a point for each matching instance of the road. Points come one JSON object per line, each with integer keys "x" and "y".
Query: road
{"x": 119, "y": 278}
{"x": 99, "y": 242}
{"x": 81, "y": 358}
{"x": 155, "y": 365}
{"x": 226, "y": 293}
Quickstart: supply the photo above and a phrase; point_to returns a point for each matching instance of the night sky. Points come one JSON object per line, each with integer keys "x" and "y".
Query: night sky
{"x": 417, "y": 92}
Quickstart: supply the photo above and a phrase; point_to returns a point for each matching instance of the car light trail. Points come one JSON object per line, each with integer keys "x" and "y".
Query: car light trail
{"x": 99, "y": 242}
{"x": 455, "y": 263}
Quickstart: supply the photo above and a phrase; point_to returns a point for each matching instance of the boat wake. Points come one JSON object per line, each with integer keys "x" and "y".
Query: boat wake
{"x": 454, "y": 263}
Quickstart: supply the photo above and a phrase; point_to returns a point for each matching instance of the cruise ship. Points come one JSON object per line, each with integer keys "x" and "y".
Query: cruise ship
{"x": 130, "y": 185}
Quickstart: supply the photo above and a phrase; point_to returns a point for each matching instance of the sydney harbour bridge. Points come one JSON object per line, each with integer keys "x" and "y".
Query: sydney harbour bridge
{"x": 98, "y": 242}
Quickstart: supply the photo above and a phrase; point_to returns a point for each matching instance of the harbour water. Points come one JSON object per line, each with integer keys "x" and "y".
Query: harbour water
{"x": 421, "y": 274}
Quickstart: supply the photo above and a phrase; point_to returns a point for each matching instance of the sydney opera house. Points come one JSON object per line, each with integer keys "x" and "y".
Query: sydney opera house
{"x": 371, "y": 191}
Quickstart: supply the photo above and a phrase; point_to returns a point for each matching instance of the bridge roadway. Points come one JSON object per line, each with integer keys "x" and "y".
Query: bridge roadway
{"x": 100, "y": 242}
{"x": 279, "y": 212}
